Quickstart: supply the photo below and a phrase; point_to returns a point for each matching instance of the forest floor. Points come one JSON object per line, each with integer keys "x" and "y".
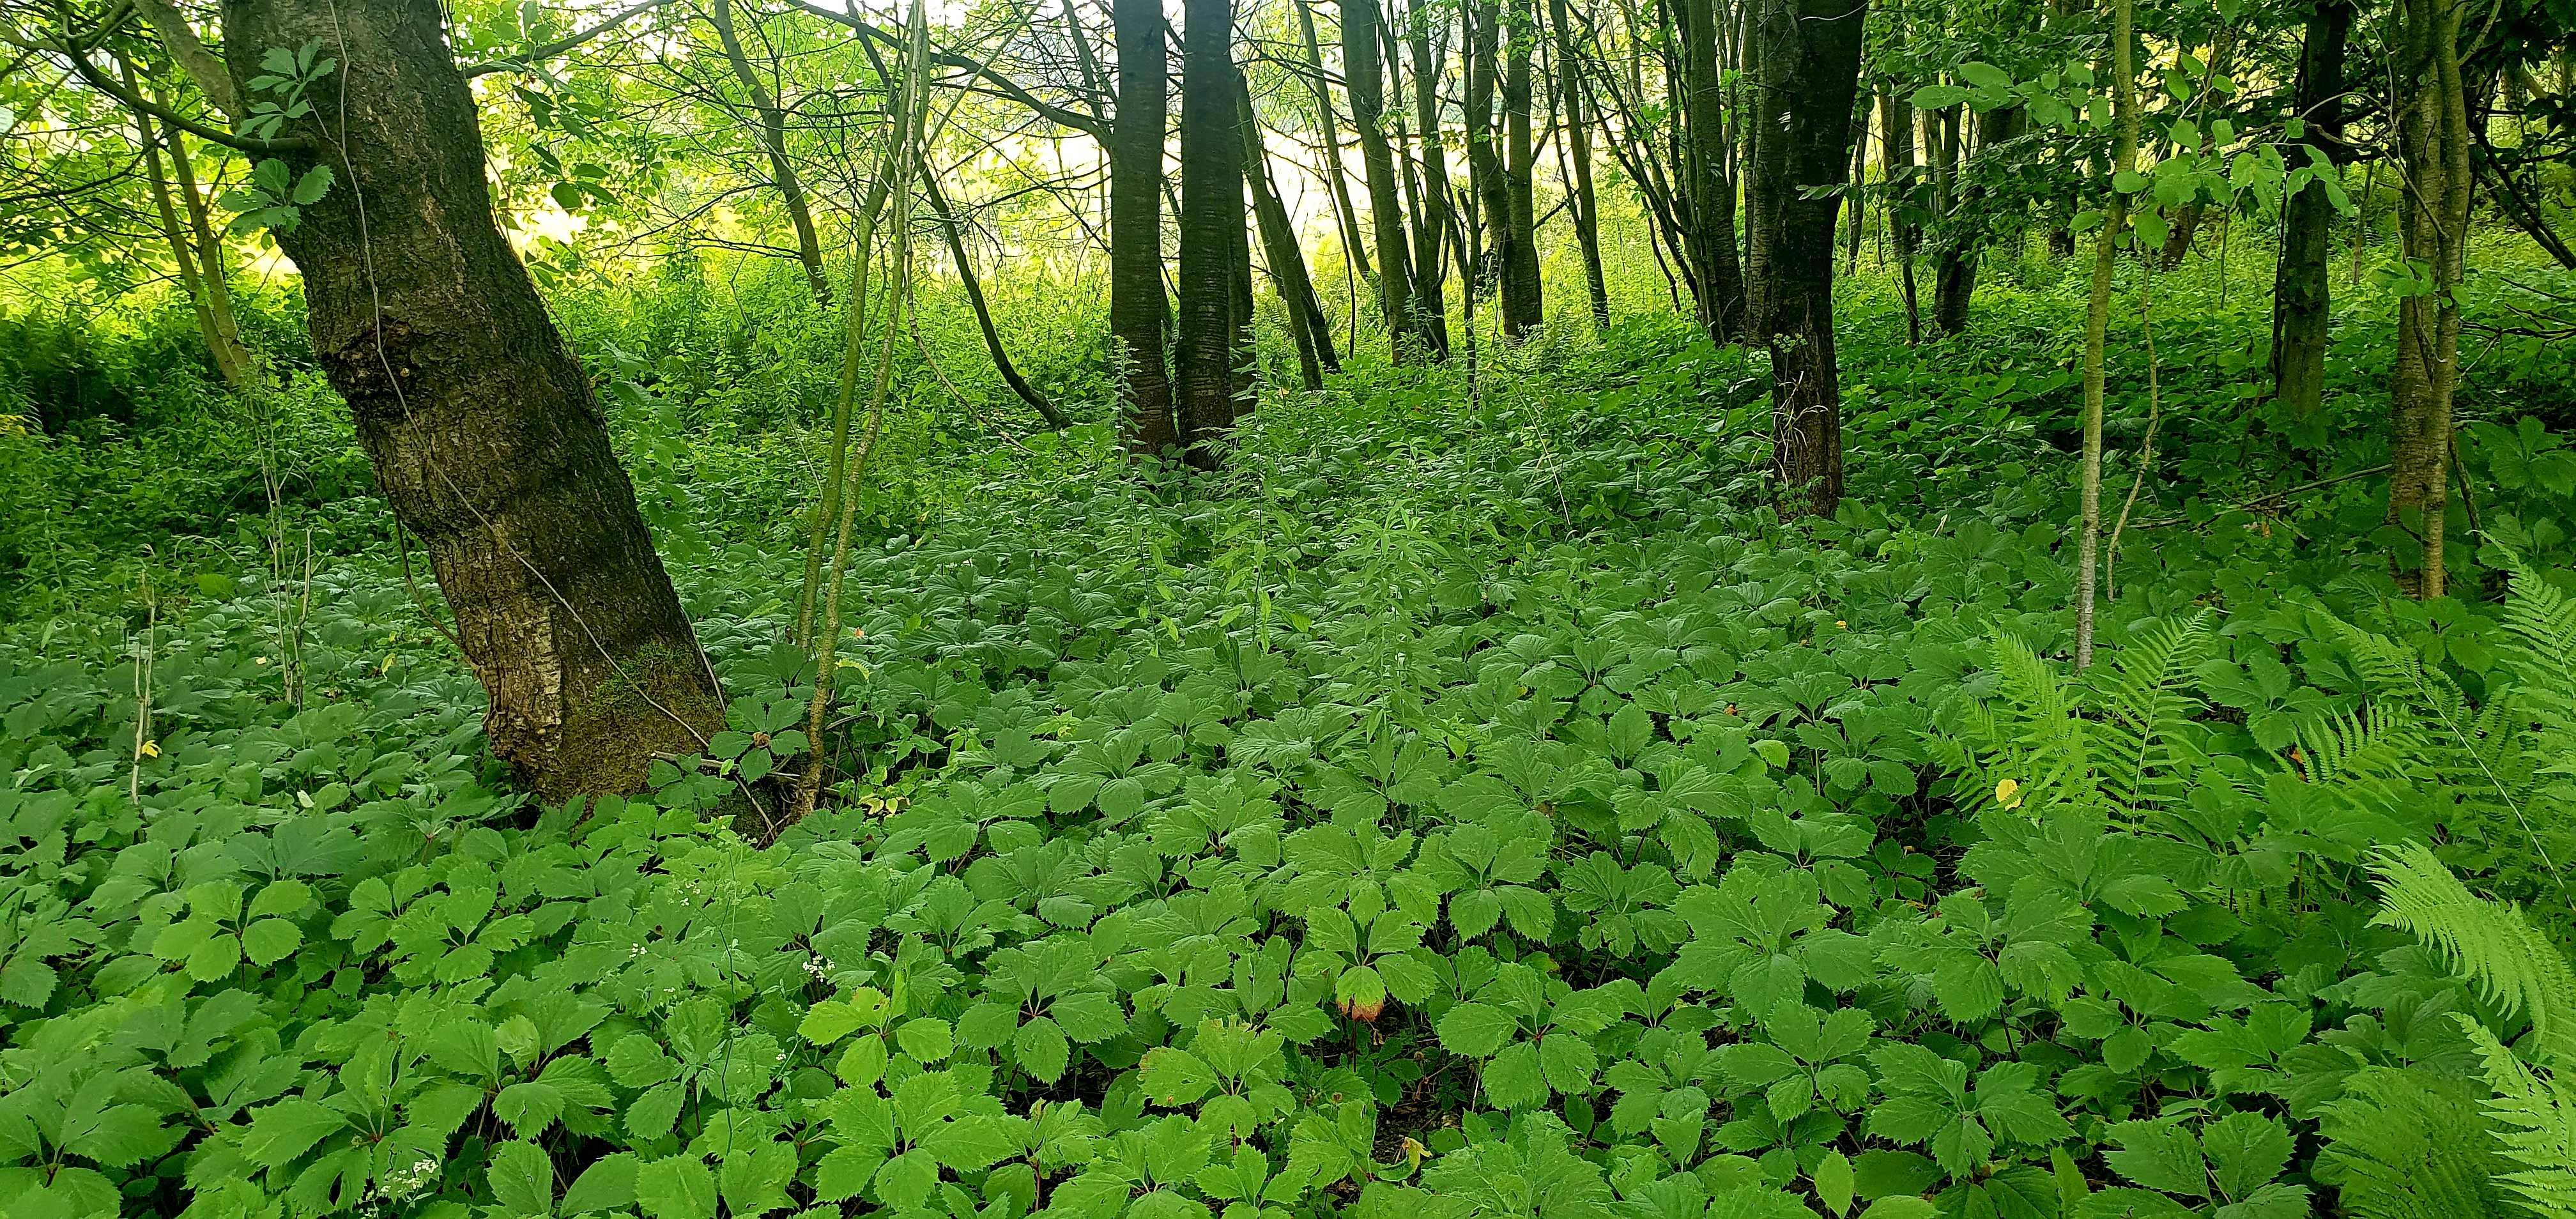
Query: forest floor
{"x": 1453, "y": 681}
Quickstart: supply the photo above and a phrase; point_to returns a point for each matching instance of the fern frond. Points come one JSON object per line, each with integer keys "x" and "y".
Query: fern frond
{"x": 2037, "y": 734}
{"x": 2394, "y": 1148}
{"x": 2489, "y": 943}
{"x": 2535, "y": 1120}
{"x": 2139, "y": 740}
{"x": 2542, "y": 623}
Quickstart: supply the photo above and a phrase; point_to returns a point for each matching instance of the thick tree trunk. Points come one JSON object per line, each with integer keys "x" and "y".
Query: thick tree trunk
{"x": 1578, "y": 149}
{"x": 1954, "y": 279}
{"x": 1343, "y": 212}
{"x": 2301, "y": 297}
{"x": 1524, "y": 307}
{"x": 769, "y": 122}
{"x": 1211, "y": 228}
{"x": 481, "y": 426}
{"x": 1896, "y": 165}
{"x": 2433, "y": 218}
{"x": 1431, "y": 221}
{"x": 1364, "y": 75}
{"x": 1137, "y": 306}
{"x": 1810, "y": 56}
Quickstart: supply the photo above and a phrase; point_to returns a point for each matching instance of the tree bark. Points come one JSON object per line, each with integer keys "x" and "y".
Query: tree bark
{"x": 1364, "y": 75}
{"x": 2433, "y": 218}
{"x": 1137, "y": 306}
{"x": 1307, "y": 323}
{"x": 1810, "y": 56}
{"x": 1578, "y": 148}
{"x": 1432, "y": 221}
{"x": 1896, "y": 165}
{"x": 770, "y": 124}
{"x": 956, "y": 239}
{"x": 1711, "y": 190}
{"x": 1524, "y": 304}
{"x": 2097, "y": 322}
{"x": 1344, "y": 213}
{"x": 2302, "y": 298}
{"x": 1482, "y": 31}
{"x": 481, "y": 425}
{"x": 1954, "y": 278}
{"x": 1211, "y": 228}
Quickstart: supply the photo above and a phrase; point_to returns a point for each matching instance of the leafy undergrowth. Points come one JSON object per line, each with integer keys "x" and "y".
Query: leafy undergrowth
{"x": 1474, "y": 804}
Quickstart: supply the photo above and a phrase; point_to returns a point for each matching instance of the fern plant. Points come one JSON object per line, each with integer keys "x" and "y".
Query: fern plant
{"x": 2395, "y": 1146}
{"x": 2118, "y": 745}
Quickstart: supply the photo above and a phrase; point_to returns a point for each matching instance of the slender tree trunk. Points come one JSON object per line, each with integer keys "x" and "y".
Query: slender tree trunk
{"x": 1485, "y": 171}
{"x": 2433, "y": 218}
{"x": 770, "y": 123}
{"x": 1432, "y": 222}
{"x": 202, "y": 280}
{"x": 2097, "y": 319}
{"x": 1211, "y": 226}
{"x": 1955, "y": 272}
{"x": 956, "y": 238}
{"x": 1343, "y": 212}
{"x": 479, "y": 422}
{"x": 1364, "y": 75}
{"x": 1718, "y": 270}
{"x": 1858, "y": 218}
{"x": 1896, "y": 154}
{"x": 1524, "y": 305}
{"x": 1138, "y": 307}
{"x": 1306, "y": 319}
{"x": 1578, "y": 149}
{"x": 1810, "y": 56}
{"x": 2301, "y": 297}
{"x": 214, "y": 262}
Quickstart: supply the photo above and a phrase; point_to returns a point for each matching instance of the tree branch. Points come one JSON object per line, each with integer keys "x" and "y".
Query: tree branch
{"x": 569, "y": 42}
{"x": 949, "y": 59}
{"x": 203, "y": 68}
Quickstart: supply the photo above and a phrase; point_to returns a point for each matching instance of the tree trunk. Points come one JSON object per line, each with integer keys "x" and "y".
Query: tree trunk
{"x": 1348, "y": 216}
{"x": 1578, "y": 149}
{"x": 1858, "y": 218}
{"x": 956, "y": 238}
{"x": 2097, "y": 321}
{"x": 770, "y": 123}
{"x": 201, "y": 268}
{"x": 1137, "y": 306}
{"x": 1485, "y": 172}
{"x": 1711, "y": 190}
{"x": 1307, "y": 322}
{"x": 1954, "y": 278}
{"x": 1432, "y": 221}
{"x": 2301, "y": 296}
{"x": 2433, "y": 218}
{"x": 1211, "y": 228}
{"x": 1896, "y": 165}
{"x": 481, "y": 426}
{"x": 1524, "y": 307}
{"x": 1364, "y": 75}
{"x": 1810, "y": 56}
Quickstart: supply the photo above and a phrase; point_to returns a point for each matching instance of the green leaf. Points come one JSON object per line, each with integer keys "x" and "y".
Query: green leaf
{"x": 906, "y": 1181}
{"x": 1175, "y": 1077}
{"x": 2246, "y": 1150}
{"x": 523, "y": 1179}
{"x": 1833, "y": 1182}
{"x": 310, "y": 188}
{"x": 607, "y": 1185}
{"x": 287, "y": 1129}
{"x": 1041, "y": 1049}
{"x": 269, "y": 940}
{"x": 1475, "y": 1030}
{"x": 1513, "y": 1080}
{"x": 2159, "y": 1155}
{"x": 676, "y": 1187}
{"x": 927, "y": 1039}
